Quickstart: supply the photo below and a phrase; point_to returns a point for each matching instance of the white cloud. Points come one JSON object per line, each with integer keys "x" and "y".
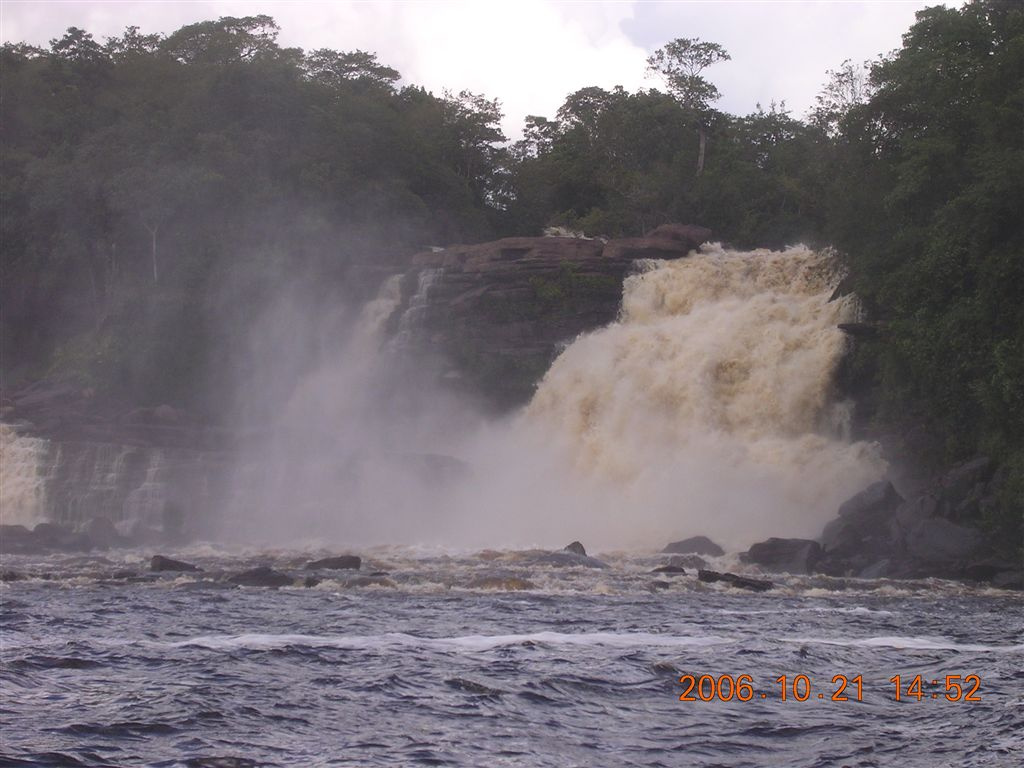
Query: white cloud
{"x": 532, "y": 54}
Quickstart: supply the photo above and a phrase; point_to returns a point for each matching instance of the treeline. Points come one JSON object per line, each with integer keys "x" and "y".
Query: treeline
{"x": 150, "y": 182}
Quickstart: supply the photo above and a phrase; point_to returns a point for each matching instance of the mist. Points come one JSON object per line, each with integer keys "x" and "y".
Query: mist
{"x": 708, "y": 408}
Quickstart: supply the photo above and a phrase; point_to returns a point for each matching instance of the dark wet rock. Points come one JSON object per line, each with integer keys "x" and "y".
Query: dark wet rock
{"x": 502, "y": 583}
{"x": 657, "y": 585}
{"x": 17, "y": 539}
{"x": 491, "y": 317}
{"x": 938, "y": 541}
{"x": 8, "y": 576}
{"x": 575, "y": 548}
{"x": 337, "y": 563}
{"x": 102, "y": 532}
{"x": 861, "y": 536}
{"x": 162, "y": 563}
{"x": 784, "y": 555}
{"x": 669, "y": 569}
{"x": 697, "y": 545}
{"x": 876, "y": 570}
{"x": 1009, "y": 580}
{"x": 380, "y": 573}
{"x": 261, "y": 576}
{"x": 51, "y": 536}
{"x": 124, "y": 573}
{"x": 987, "y": 569}
{"x": 743, "y": 582}
{"x": 958, "y": 481}
{"x": 877, "y": 496}
{"x": 311, "y": 581}
{"x": 692, "y": 236}
{"x": 859, "y": 330}
{"x": 688, "y": 561}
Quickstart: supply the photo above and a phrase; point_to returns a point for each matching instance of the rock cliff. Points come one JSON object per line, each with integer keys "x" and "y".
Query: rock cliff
{"x": 494, "y": 315}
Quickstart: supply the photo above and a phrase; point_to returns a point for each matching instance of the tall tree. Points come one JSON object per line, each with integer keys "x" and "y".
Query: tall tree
{"x": 681, "y": 63}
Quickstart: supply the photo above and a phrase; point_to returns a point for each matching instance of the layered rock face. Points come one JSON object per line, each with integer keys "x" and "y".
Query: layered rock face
{"x": 496, "y": 314}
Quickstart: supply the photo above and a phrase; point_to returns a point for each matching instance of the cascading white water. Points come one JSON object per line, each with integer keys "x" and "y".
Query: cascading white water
{"x": 22, "y": 478}
{"x": 705, "y": 408}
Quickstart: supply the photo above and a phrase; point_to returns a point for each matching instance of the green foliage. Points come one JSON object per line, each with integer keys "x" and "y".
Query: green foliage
{"x": 158, "y": 190}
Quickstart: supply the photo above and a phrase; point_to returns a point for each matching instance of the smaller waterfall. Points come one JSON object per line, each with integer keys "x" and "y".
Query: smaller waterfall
{"x": 411, "y": 321}
{"x": 22, "y": 478}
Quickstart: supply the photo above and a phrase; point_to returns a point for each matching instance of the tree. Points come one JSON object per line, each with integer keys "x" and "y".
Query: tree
{"x": 680, "y": 63}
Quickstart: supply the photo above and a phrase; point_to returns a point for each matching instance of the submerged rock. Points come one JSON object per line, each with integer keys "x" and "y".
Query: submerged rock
{"x": 743, "y": 582}
{"x": 698, "y": 545}
{"x": 576, "y": 548}
{"x": 161, "y": 563}
{"x": 263, "y": 576}
{"x": 784, "y": 555}
{"x": 337, "y": 563}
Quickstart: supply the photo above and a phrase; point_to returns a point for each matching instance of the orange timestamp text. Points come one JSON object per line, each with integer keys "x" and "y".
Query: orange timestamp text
{"x": 965, "y": 688}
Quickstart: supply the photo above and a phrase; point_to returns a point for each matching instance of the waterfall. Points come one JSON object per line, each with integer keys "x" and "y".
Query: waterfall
{"x": 411, "y": 321}
{"x": 22, "y": 478}
{"x": 711, "y": 398}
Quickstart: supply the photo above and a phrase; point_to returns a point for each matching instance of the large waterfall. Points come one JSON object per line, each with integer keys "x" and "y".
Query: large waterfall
{"x": 707, "y": 408}
{"x": 709, "y": 405}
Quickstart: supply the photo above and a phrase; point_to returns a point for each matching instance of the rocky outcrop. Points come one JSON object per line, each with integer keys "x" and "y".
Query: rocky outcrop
{"x": 161, "y": 563}
{"x": 784, "y": 555}
{"x": 262, "y": 576}
{"x": 697, "y": 545}
{"x": 935, "y": 533}
{"x": 742, "y": 582}
{"x": 493, "y": 315}
{"x": 575, "y": 548}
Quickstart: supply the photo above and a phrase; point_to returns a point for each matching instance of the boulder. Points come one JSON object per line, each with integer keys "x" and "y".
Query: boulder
{"x": 693, "y": 236}
{"x": 7, "y": 576}
{"x": 575, "y": 548}
{"x": 262, "y": 576}
{"x": 877, "y": 496}
{"x": 859, "y": 330}
{"x": 784, "y": 555}
{"x": 958, "y": 482}
{"x": 336, "y": 563}
{"x": 161, "y": 563}
{"x": 688, "y": 561}
{"x": 103, "y": 534}
{"x": 1009, "y": 580}
{"x": 698, "y": 545}
{"x": 743, "y": 582}
{"x": 939, "y": 541}
{"x": 669, "y": 569}
{"x": 61, "y": 538}
{"x": 17, "y": 539}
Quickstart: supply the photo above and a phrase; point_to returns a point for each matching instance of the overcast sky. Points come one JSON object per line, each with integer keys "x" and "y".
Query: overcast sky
{"x": 532, "y": 53}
